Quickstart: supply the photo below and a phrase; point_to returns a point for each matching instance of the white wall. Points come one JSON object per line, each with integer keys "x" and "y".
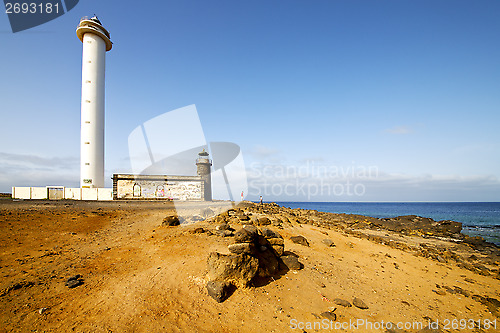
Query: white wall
{"x": 21, "y": 192}
{"x": 73, "y": 193}
{"x": 38, "y": 193}
{"x": 104, "y": 194}
{"x": 101, "y": 194}
{"x": 89, "y": 193}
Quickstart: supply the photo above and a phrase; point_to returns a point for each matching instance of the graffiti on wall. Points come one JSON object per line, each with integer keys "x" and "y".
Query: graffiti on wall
{"x": 159, "y": 189}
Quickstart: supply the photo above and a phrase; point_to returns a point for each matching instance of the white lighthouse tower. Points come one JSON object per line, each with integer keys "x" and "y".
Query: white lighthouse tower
{"x": 96, "y": 41}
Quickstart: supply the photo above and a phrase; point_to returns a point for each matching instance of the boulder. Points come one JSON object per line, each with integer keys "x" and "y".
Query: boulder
{"x": 279, "y": 249}
{"x": 238, "y": 269}
{"x": 299, "y": 240}
{"x": 223, "y": 233}
{"x": 171, "y": 220}
{"x": 276, "y": 241}
{"x": 223, "y": 226}
{"x": 268, "y": 263}
{"x": 342, "y": 302}
{"x": 268, "y": 233}
{"x": 219, "y": 290}
{"x": 291, "y": 262}
{"x": 248, "y": 248}
{"x": 263, "y": 221}
{"x": 328, "y": 242}
{"x": 244, "y": 235}
{"x": 359, "y": 303}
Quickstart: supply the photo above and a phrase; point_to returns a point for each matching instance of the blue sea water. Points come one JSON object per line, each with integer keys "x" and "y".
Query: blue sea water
{"x": 478, "y": 218}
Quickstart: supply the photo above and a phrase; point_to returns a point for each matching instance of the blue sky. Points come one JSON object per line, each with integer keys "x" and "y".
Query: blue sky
{"x": 409, "y": 88}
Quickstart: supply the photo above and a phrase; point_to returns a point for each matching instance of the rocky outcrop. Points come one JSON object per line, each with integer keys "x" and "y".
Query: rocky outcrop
{"x": 256, "y": 252}
{"x": 171, "y": 220}
{"x": 237, "y": 269}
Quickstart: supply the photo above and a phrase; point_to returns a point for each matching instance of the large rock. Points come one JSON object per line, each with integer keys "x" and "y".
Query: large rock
{"x": 291, "y": 262}
{"x": 263, "y": 221}
{"x": 278, "y": 249}
{"x": 244, "y": 235}
{"x": 268, "y": 233}
{"x": 239, "y": 248}
{"x": 328, "y": 242}
{"x": 219, "y": 290}
{"x": 299, "y": 240}
{"x": 359, "y": 303}
{"x": 171, "y": 220}
{"x": 238, "y": 269}
{"x": 268, "y": 263}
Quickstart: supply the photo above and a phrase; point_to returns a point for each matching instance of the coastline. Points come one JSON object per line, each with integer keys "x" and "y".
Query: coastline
{"x": 477, "y": 218}
{"x": 140, "y": 276}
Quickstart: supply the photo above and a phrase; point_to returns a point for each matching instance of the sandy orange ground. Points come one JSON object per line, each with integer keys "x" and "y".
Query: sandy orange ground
{"x": 142, "y": 277}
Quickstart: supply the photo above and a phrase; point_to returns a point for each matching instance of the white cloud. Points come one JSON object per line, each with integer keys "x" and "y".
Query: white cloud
{"x": 316, "y": 182}
{"x": 33, "y": 170}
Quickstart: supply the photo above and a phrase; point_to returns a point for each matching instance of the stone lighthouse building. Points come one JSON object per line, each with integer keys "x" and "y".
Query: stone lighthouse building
{"x": 204, "y": 165}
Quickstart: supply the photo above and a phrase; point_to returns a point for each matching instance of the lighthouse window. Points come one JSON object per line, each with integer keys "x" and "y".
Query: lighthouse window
{"x": 87, "y": 143}
{"x": 87, "y": 163}
{"x": 89, "y": 61}
{"x": 88, "y": 81}
{"x": 89, "y": 41}
{"x": 87, "y": 122}
{"x": 87, "y": 101}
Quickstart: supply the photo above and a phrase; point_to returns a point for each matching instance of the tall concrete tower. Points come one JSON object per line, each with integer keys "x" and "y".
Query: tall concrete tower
{"x": 96, "y": 41}
{"x": 203, "y": 165}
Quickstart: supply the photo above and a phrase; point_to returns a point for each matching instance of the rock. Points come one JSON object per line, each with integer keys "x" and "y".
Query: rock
{"x": 276, "y": 241}
{"x": 171, "y": 220}
{"x": 263, "y": 221}
{"x": 268, "y": 263}
{"x": 342, "y": 302}
{"x": 223, "y": 233}
{"x": 219, "y": 290}
{"x": 330, "y": 315}
{"x": 440, "y": 259}
{"x": 223, "y": 226}
{"x": 238, "y": 269}
{"x": 42, "y": 310}
{"x": 75, "y": 277}
{"x": 243, "y": 217}
{"x": 239, "y": 248}
{"x": 491, "y": 303}
{"x": 299, "y": 240}
{"x": 292, "y": 262}
{"x": 268, "y": 233}
{"x": 198, "y": 230}
{"x": 279, "y": 249}
{"x": 74, "y": 283}
{"x": 244, "y": 235}
{"x": 328, "y": 242}
{"x": 359, "y": 303}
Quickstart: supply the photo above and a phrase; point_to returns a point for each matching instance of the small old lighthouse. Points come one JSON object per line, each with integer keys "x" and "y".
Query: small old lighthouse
{"x": 96, "y": 42}
{"x": 203, "y": 164}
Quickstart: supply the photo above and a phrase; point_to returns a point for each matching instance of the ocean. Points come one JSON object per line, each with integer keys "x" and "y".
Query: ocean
{"x": 478, "y": 218}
